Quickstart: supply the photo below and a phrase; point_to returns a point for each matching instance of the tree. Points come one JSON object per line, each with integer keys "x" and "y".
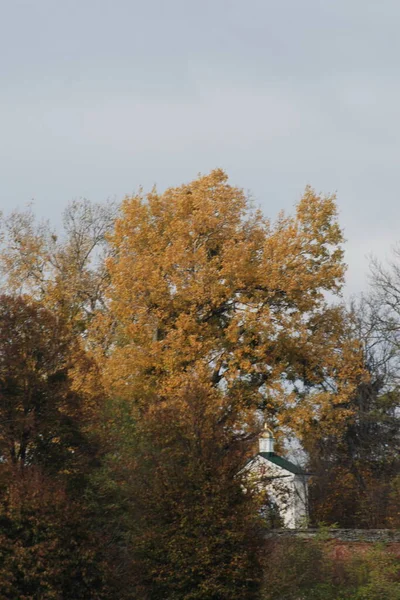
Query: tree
{"x": 43, "y": 419}
{"x": 383, "y": 307}
{"x": 48, "y": 451}
{"x": 65, "y": 272}
{"x": 201, "y": 284}
{"x": 355, "y": 466}
{"x": 180, "y": 523}
{"x": 48, "y": 549}
{"x": 204, "y": 291}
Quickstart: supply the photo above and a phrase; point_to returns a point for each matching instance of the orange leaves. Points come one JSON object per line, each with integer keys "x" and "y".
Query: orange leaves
{"x": 202, "y": 283}
{"x": 303, "y": 253}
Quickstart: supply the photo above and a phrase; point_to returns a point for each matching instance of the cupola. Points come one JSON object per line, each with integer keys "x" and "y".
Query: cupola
{"x": 266, "y": 440}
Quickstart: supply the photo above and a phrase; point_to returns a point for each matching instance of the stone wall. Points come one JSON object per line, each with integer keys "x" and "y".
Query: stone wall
{"x": 342, "y": 535}
{"x": 341, "y": 544}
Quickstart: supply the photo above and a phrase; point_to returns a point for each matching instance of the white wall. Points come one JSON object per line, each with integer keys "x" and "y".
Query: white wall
{"x": 286, "y": 490}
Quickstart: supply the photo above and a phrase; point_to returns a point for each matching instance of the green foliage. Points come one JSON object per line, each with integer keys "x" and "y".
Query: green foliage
{"x": 374, "y": 575}
{"x": 306, "y": 570}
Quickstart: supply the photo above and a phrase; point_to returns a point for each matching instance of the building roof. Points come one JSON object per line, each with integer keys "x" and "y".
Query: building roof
{"x": 283, "y": 463}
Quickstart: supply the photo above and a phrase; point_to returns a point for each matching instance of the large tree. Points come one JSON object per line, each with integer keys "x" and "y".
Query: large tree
{"x": 202, "y": 285}
{"x": 213, "y": 315}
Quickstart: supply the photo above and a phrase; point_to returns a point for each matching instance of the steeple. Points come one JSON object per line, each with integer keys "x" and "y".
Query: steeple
{"x": 266, "y": 440}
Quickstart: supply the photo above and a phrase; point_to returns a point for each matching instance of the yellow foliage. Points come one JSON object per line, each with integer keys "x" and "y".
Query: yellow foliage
{"x": 64, "y": 272}
{"x": 203, "y": 286}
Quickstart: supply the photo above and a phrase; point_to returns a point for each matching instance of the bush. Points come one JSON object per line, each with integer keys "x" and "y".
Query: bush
{"x": 304, "y": 570}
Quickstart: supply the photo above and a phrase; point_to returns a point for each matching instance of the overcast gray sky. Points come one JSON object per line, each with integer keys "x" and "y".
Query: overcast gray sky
{"x": 99, "y": 97}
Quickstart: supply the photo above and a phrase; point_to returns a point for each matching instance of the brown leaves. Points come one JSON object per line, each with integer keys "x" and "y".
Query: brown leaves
{"x": 42, "y": 416}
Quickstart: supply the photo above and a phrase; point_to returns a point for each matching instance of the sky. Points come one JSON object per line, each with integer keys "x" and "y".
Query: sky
{"x": 99, "y": 97}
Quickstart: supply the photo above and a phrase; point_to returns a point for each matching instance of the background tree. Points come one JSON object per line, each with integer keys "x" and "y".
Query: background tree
{"x": 43, "y": 419}
{"x": 355, "y": 466}
{"x": 383, "y": 305}
{"x": 48, "y": 451}
{"x": 65, "y": 271}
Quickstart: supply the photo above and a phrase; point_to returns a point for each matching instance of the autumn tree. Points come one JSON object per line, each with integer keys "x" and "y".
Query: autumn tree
{"x": 43, "y": 418}
{"x": 48, "y": 451}
{"x": 204, "y": 289}
{"x": 200, "y": 317}
{"x": 201, "y": 283}
{"x": 64, "y": 270}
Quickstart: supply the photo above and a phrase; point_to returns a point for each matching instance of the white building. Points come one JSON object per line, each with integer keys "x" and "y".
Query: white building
{"x": 285, "y": 483}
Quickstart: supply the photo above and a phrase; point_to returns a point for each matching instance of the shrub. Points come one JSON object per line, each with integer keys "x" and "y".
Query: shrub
{"x": 305, "y": 570}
